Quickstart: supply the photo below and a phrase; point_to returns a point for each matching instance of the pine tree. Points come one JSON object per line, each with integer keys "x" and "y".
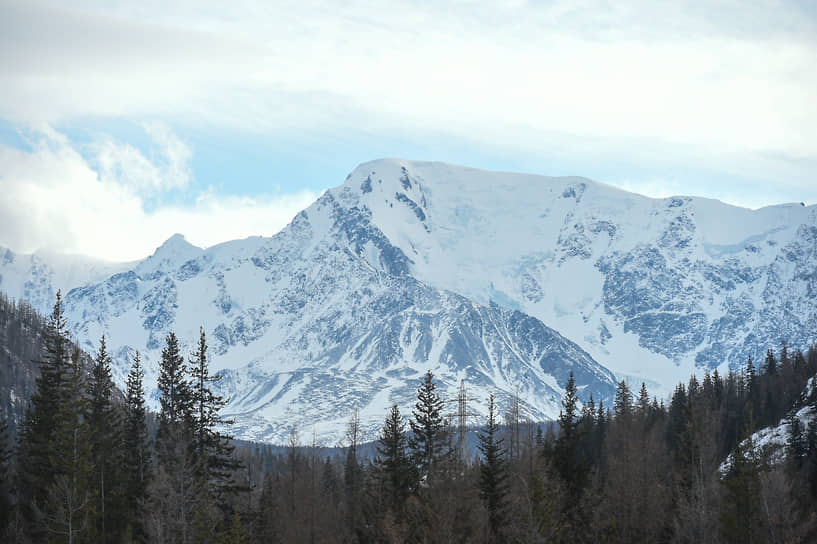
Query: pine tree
{"x": 106, "y": 434}
{"x": 623, "y": 403}
{"x": 428, "y": 439}
{"x": 493, "y": 475}
{"x": 393, "y": 462}
{"x": 770, "y": 365}
{"x": 137, "y": 452}
{"x": 796, "y": 446}
{"x": 174, "y": 486}
{"x": 176, "y": 398}
{"x": 211, "y": 448}
{"x": 36, "y": 472}
{"x": 643, "y": 401}
{"x": 69, "y": 506}
{"x": 567, "y": 462}
{"x": 750, "y": 379}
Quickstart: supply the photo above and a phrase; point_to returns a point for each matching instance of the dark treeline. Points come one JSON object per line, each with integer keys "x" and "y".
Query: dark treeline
{"x": 86, "y": 468}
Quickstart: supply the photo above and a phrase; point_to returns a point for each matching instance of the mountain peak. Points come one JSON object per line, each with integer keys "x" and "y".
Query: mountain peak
{"x": 175, "y": 249}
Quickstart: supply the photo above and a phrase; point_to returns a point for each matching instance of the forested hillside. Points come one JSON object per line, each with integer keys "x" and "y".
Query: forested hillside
{"x": 87, "y": 468}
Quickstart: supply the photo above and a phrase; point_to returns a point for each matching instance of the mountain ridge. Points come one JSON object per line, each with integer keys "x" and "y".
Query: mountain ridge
{"x": 654, "y": 289}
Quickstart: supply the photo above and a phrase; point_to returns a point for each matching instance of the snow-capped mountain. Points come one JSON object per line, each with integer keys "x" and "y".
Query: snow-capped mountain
{"x": 411, "y": 266}
{"x": 652, "y": 288}
{"x": 37, "y": 277}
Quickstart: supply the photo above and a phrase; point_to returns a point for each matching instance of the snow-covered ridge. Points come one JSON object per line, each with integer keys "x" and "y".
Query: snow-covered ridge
{"x": 415, "y": 265}
{"x": 653, "y": 288}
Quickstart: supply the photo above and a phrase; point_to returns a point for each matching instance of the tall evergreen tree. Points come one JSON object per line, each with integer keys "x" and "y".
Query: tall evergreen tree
{"x": 212, "y": 448}
{"x": 69, "y": 508}
{"x": 568, "y": 462}
{"x": 177, "y": 476}
{"x": 106, "y": 434}
{"x": 493, "y": 475}
{"x": 176, "y": 399}
{"x": 770, "y": 364}
{"x": 643, "y": 400}
{"x": 36, "y": 473}
{"x": 623, "y": 403}
{"x": 137, "y": 453}
{"x": 393, "y": 462}
{"x": 428, "y": 440}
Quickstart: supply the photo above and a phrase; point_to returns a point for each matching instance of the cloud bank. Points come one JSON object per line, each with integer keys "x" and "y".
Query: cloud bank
{"x": 723, "y": 86}
{"x": 96, "y": 203}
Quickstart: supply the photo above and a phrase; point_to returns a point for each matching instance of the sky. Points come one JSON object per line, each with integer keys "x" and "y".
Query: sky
{"x": 122, "y": 123}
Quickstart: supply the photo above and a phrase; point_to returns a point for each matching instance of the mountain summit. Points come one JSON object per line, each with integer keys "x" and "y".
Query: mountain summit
{"x": 504, "y": 282}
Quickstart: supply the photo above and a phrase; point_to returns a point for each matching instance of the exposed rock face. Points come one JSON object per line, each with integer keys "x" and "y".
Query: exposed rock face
{"x": 411, "y": 266}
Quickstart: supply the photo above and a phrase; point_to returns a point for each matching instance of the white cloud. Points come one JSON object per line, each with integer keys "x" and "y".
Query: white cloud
{"x": 724, "y": 86}
{"x": 630, "y": 71}
{"x": 54, "y": 198}
{"x": 124, "y": 164}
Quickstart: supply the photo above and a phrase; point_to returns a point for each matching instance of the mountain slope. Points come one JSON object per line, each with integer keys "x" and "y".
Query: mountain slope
{"x": 321, "y": 318}
{"x": 411, "y": 266}
{"x": 653, "y": 288}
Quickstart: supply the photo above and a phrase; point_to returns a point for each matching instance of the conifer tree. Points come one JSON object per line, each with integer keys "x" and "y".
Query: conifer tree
{"x": 427, "y": 441}
{"x": 567, "y": 462}
{"x": 174, "y": 486}
{"x": 137, "y": 452}
{"x": 770, "y": 365}
{"x": 643, "y": 401}
{"x": 106, "y": 434}
{"x": 69, "y": 506}
{"x": 493, "y": 475}
{"x": 211, "y": 448}
{"x": 750, "y": 378}
{"x": 796, "y": 446}
{"x": 623, "y": 403}
{"x": 36, "y": 472}
{"x": 176, "y": 398}
{"x": 393, "y": 461}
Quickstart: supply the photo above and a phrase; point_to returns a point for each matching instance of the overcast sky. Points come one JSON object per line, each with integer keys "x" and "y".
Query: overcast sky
{"x": 123, "y": 124}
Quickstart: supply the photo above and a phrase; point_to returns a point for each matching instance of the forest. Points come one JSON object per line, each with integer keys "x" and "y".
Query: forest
{"x": 85, "y": 462}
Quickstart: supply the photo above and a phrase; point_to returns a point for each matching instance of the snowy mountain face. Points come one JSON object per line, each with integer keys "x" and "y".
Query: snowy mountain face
{"x": 412, "y": 266}
{"x": 37, "y": 277}
{"x": 651, "y": 288}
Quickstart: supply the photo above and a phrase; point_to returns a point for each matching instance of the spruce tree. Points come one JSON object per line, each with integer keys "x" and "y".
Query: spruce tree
{"x": 567, "y": 462}
{"x": 623, "y": 403}
{"x": 36, "y": 473}
{"x": 427, "y": 441}
{"x": 137, "y": 453}
{"x": 643, "y": 401}
{"x": 211, "y": 448}
{"x": 493, "y": 475}
{"x": 106, "y": 434}
{"x": 393, "y": 462}
{"x": 770, "y": 364}
{"x": 69, "y": 508}
{"x": 796, "y": 446}
{"x": 176, "y": 399}
{"x": 177, "y": 476}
